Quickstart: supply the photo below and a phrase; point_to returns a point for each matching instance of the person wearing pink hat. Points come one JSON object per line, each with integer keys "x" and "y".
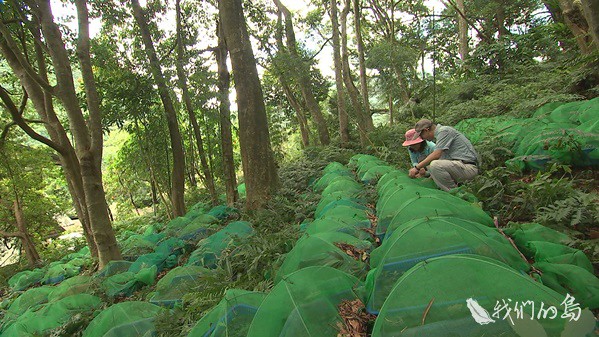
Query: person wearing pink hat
{"x": 454, "y": 160}
{"x": 418, "y": 149}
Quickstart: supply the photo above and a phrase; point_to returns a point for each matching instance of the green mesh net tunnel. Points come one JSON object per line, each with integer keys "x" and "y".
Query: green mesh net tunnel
{"x": 327, "y": 249}
{"x": 305, "y": 303}
{"x": 422, "y": 239}
{"x": 231, "y": 317}
{"x": 131, "y": 319}
{"x": 456, "y": 295}
{"x": 209, "y": 250}
{"x": 177, "y": 283}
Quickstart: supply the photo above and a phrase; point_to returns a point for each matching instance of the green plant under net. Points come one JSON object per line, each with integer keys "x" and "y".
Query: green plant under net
{"x": 37, "y": 321}
{"x": 422, "y": 239}
{"x": 131, "y": 319}
{"x": 177, "y": 283}
{"x": 409, "y": 203}
{"x": 330, "y": 249}
{"x": 209, "y": 250}
{"x": 463, "y": 295}
{"x": 231, "y": 317}
{"x": 305, "y": 303}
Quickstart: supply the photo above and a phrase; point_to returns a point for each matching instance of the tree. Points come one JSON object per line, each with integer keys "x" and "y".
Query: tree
{"x": 302, "y": 74}
{"x": 259, "y": 167}
{"x": 178, "y": 175}
{"x": 224, "y": 84}
{"x": 207, "y": 173}
{"x": 341, "y": 108}
{"x": 81, "y": 162}
{"x": 590, "y": 9}
{"x": 364, "y": 121}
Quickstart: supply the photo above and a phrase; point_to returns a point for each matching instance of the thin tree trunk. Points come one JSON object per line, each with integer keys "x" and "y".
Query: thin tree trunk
{"x": 91, "y": 159}
{"x": 362, "y": 65}
{"x": 352, "y": 91}
{"x": 341, "y": 108}
{"x": 208, "y": 179}
{"x": 462, "y": 30}
{"x": 303, "y": 77}
{"x": 224, "y": 84}
{"x": 178, "y": 172}
{"x": 259, "y": 167}
{"x": 293, "y": 101}
{"x": 590, "y": 9}
{"x": 576, "y": 22}
{"x": 390, "y": 110}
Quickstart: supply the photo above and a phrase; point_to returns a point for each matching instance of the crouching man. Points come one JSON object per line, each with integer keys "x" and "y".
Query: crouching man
{"x": 454, "y": 159}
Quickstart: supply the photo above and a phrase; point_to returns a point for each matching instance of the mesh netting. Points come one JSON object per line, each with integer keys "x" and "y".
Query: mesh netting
{"x": 25, "y": 279}
{"x": 305, "y": 303}
{"x": 358, "y": 229}
{"x": 409, "y": 203}
{"x": 176, "y": 283}
{"x": 522, "y": 233}
{"x": 567, "y": 133}
{"x": 324, "y": 249}
{"x": 343, "y": 184}
{"x": 139, "y": 244}
{"x": 571, "y": 279}
{"x": 222, "y": 212}
{"x": 324, "y": 181}
{"x": 28, "y": 299}
{"x": 209, "y": 250}
{"x": 131, "y": 319}
{"x": 58, "y": 271}
{"x": 556, "y": 253}
{"x": 374, "y": 173}
{"x": 75, "y": 285}
{"x": 341, "y": 202}
{"x": 443, "y": 297}
{"x": 52, "y": 315}
{"x": 231, "y": 317}
{"x": 423, "y": 239}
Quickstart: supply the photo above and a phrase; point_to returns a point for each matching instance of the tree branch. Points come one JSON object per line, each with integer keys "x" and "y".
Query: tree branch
{"x": 483, "y": 35}
{"x": 8, "y": 40}
{"x": 22, "y": 123}
{"x": 321, "y": 48}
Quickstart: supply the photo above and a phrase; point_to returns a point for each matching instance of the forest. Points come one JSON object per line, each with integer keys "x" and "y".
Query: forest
{"x": 238, "y": 168}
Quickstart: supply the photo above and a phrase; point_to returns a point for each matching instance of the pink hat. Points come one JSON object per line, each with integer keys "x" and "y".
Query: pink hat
{"x": 409, "y": 135}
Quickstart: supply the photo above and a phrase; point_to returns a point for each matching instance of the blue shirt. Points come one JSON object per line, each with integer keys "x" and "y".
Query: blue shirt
{"x": 417, "y": 157}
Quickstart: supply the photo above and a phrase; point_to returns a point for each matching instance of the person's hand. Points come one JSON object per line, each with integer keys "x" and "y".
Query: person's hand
{"x": 413, "y": 173}
{"x": 421, "y": 173}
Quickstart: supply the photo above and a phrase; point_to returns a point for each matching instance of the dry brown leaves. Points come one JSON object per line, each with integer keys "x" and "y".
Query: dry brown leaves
{"x": 354, "y": 252}
{"x": 355, "y": 319}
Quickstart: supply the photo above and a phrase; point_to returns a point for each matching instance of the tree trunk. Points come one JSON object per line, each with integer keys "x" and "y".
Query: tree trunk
{"x": 259, "y": 167}
{"x": 354, "y": 94}
{"x": 224, "y": 84}
{"x": 362, "y": 64}
{"x": 462, "y": 30}
{"x": 390, "y": 110}
{"x": 300, "y": 110}
{"x": 83, "y": 132}
{"x": 178, "y": 172}
{"x": 31, "y": 253}
{"x": 576, "y": 22}
{"x": 590, "y": 9}
{"x": 91, "y": 159}
{"x": 207, "y": 173}
{"x": 341, "y": 109}
{"x": 42, "y": 102}
{"x": 303, "y": 77}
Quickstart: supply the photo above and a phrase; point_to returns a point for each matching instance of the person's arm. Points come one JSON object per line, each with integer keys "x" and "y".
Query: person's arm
{"x": 413, "y": 158}
{"x": 433, "y": 156}
{"x": 415, "y": 171}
